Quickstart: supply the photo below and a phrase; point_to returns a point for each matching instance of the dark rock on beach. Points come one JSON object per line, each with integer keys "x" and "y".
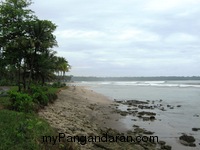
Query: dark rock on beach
{"x": 123, "y": 113}
{"x": 152, "y": 118}
{"x": 132, "y": 102}
{"x": 146, "y": 113}
{"x": 195, "y": 129}
{"x": 162, "y": 142}
{"x": 166, "y": 147}
{"x": 196, "y": 115}
{"x": 148, "y": 132}
{"x": 187, "y": 140}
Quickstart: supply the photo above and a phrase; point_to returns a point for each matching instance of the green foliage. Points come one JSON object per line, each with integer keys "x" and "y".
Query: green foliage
{"x": 26, "y": 44}
{"x": 51, "y": 97}
{"x": 22, "y": 131}
{"x": 21, "y": 102}
{"x": 39, "y": 95}
{"x": 5, "y": 102}
{"x": 58, "y": 85}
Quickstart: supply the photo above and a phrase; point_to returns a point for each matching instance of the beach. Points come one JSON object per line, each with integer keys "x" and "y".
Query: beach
{"x": 78, "y": 111}
{"x": 81, "y": 111}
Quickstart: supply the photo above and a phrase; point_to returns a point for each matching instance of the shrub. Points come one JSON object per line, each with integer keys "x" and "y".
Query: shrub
{"x": 58, "y": 85}
{"x": 40, "y": 98}
{"x": 21, "y": 102}
{"x": 52, "y": 97}
{"x": 39, "y": 95}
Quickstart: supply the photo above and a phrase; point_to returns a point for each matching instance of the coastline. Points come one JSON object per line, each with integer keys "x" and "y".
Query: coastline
{"x": 81, "y": 111}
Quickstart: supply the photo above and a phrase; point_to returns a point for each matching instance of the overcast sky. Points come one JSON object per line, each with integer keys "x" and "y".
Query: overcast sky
{"x": 126, "y": 37}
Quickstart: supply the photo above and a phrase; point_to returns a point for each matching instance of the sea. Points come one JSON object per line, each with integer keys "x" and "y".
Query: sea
{"x": 169, "y": 124}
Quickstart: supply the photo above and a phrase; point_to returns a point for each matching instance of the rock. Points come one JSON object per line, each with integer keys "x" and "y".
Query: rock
{"x": 152, "y": 118}
{"x": 184, "y": 143}
{"x": 136, "y": 126}
{"x": 196, "y": 115}
{"x": 123, "y": 113}
{"x": 148, "y": 132}
{"x": 120, "y": 102}
{"x": 101, "y": 145}
{"x": 192, "y": 145}
{"x": 134, "y": 119}
{"x": 166, "y": 147}
{"x": 162, "y": 108}
{"x": 139, "y": 130}
{"x": 187, "y": 140}
{"x": 145, "y": 118}
{"x": 162, "y": 142}
{"x": 195, "y": 129}
{"x": 129, "y": 132}
{"x": 140, "y": 106}
{"x": 146, "y": 113}
{"x": 178, "y": 106}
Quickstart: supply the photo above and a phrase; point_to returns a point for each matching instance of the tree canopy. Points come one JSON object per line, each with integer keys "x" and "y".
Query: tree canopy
{"x": 26, "y": 44}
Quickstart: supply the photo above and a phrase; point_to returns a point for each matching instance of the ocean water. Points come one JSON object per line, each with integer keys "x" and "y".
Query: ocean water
{"x": 170, "y": 124}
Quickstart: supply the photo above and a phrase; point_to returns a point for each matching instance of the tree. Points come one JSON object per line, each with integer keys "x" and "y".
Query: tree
{"x": 62, "y": 66}
{"x": 41, "y": 39}
{"x": 13, "y": 14}
{"x": 26, "y": 44}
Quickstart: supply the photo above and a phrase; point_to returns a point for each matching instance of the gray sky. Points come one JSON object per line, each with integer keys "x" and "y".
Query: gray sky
{"x": 126, "y": 37}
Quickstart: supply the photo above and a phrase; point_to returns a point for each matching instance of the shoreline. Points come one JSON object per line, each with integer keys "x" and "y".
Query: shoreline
{"x": 81, "y": 111}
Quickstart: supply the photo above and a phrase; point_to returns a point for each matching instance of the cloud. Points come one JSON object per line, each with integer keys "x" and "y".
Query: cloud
{"x": 126, "y": 38}
{"x": 138, "y": 35}
{"x": 181, "y": 38}
{"x": 80, "y": 34}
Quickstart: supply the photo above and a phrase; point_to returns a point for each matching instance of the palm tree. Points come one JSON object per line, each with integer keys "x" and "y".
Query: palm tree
{"x": 41, "y": 39}
{"x": 62, "y": 66}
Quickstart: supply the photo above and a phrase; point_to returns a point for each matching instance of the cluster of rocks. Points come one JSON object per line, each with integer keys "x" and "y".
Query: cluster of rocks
{"x": 135, "y": 105}
{"x": 187, "y": 140}
{"x": 133, "y": 109}
{"x": 159, "y": 145}
{"x": 137, "y": 108}
{"x": 129, "y": 145}
{"x": 148, "y": 104}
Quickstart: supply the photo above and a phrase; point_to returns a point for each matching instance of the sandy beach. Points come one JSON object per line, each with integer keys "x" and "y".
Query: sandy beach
{"x": 79, "y": 111}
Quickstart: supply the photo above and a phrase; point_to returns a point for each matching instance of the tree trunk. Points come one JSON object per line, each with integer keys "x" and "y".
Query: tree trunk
{"x": 19, "y": 77}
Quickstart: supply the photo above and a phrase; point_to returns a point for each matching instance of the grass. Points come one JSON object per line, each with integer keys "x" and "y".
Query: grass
{"x": 20, "y": 131}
